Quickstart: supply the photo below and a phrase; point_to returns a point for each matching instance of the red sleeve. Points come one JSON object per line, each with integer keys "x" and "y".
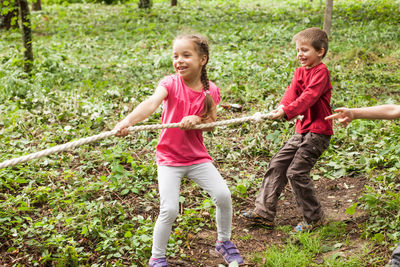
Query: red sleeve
{"x": 290, "y": 94}
{"x": 313, "y": 91}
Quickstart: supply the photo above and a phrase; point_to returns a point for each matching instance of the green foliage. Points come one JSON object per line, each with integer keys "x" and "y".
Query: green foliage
{"x": 307, "y": 249}
{"x": 382, "y": 202}
{"x": 8, "y": 14}
{"x": 97, "y": 204}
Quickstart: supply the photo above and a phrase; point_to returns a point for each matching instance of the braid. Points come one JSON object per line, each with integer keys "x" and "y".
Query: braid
{"x": 204, "y": 78}
{"x": 204, "y": 51}
{"x": 208, "y": 100}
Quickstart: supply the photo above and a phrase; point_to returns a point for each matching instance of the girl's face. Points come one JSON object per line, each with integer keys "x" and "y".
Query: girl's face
{"x": 187, "y": 61}
{"x": 307, "y": 55}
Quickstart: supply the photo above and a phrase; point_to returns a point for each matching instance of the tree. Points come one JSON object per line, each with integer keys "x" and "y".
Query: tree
{"x": 26, "y": 34}
{"x": 328, "y": 16}
{"x": 174, "y": 2}
{"x": 37, "y": 5}
{"x": 145, "y": 3}
{"x": 8, "y": 14}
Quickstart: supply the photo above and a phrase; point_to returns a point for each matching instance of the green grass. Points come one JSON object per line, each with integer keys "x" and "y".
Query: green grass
{"x": 94, "y": 63}
{"x": 319, "y": 248}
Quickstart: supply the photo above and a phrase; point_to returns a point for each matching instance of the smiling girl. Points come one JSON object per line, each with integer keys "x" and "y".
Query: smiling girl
{"x": 189, "y": 98}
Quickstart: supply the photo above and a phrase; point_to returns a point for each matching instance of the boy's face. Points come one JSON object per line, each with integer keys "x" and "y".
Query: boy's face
{"x": 307, "y": 55}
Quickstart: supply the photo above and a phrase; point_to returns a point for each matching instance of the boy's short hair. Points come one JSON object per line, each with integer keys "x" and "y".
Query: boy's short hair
{"x": 317, "y": 37}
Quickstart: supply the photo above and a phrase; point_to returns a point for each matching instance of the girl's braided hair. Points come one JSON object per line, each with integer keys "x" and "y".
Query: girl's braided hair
{"x": 202, "y": 48}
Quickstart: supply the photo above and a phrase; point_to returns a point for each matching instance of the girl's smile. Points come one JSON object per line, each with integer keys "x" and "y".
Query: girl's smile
{"x": 186, "y": 60}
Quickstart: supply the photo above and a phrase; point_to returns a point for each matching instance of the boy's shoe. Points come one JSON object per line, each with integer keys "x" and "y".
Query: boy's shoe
{"x": 160, "y": 262}
{"x": 251, "y": 215}
{"x": 229, "y": 252}
{"x": 307, "y": 227}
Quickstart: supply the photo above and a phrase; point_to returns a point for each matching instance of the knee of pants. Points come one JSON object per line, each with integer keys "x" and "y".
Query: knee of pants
{"x": 297, "y": 175}
{"x": 168, "y": 214}
{"x": 277, "y": 165}
{"x": 222, "y": 198}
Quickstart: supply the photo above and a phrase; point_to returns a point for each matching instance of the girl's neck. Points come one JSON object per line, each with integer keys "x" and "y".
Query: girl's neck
{"x": 194, "y": 84}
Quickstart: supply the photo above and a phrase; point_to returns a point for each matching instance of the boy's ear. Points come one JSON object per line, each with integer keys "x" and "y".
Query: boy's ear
{"x": 321, "y": 52}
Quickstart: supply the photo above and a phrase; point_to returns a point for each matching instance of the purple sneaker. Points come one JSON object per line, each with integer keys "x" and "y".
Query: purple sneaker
{"x": 161, "y": 262}
{"x": 229, "y": 252}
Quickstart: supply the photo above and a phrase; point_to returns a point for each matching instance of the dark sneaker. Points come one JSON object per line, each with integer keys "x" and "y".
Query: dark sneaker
{"x": 251, "y": 215}
{"x": 229, "y": 252}
{"x": 161, "y": 262}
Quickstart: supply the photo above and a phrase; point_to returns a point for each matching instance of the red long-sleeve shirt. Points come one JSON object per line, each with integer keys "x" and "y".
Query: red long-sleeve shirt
{"x": 309, "y": 94}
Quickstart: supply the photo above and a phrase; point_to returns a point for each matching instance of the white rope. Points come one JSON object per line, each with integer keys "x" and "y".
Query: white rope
{"x": 257, "y": 117}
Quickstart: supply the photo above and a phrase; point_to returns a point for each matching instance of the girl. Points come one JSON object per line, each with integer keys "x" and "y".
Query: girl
{"x": 189, "y": 98}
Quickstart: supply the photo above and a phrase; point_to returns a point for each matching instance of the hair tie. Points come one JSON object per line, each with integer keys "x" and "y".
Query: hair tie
{"x": 206, "y": 92}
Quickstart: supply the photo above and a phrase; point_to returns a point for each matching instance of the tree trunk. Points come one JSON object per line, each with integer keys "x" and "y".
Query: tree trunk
{"x": 174, "y": 2}
{"x": 26, "y": 34}
{"x": 145, "y": 4}
{"x": 37, "y": 5}
{"x": 9, "y": 19}
{"x": 328, "y": 16}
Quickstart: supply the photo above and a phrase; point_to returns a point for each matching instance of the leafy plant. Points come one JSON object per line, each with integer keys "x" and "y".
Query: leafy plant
{"x": 96, "y": 205}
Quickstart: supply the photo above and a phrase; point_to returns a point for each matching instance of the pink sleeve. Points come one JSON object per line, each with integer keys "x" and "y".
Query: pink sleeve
{"x": 215, "y": 93}
{"x": 166, "y": 82}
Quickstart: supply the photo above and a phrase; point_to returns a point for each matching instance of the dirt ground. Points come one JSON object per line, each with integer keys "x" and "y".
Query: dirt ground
{"x": 336, "y": 196}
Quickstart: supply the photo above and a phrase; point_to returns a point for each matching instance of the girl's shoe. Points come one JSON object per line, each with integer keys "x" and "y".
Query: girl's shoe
{"x": 251, "y": 215}
{"x": 229, "y": 252}
{"x": 161, "y": 262}
{"x": 393, "y": 263}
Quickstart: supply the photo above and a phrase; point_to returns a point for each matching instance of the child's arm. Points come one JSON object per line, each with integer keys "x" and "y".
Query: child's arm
{"x": 318, "y": 85}
{"x": 382, "y": 112}
{"x": 211, "y": 118}
{"x": 142, "y": 111}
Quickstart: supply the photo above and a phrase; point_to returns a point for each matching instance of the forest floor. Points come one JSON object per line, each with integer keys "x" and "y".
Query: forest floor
{"x": 336, "y": 196}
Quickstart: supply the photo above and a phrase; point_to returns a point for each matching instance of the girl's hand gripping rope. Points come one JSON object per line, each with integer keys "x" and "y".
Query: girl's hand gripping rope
{"x": 189, "y": 121}
{"x": 122, "y": 128}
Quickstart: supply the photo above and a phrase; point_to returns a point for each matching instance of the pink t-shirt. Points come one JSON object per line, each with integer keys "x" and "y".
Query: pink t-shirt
{"x": 182, "y": 147}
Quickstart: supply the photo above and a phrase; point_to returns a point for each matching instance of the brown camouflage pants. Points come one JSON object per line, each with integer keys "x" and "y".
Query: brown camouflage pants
{"x": 293, "y": 163}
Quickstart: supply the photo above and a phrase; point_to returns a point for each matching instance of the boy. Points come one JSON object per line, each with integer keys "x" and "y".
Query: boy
{"x": 383, "y": 112}
{"x": 309, "y": 94}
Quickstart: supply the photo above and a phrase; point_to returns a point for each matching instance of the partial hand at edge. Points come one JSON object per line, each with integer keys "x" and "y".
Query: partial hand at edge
{"x": 343, "y": 115}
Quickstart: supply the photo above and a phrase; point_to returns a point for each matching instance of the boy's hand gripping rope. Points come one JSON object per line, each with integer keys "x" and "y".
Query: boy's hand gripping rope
{"x": 12, "y": 162}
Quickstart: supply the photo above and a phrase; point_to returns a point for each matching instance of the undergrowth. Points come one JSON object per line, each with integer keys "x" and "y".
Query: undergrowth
{"x": 97, "y": 204}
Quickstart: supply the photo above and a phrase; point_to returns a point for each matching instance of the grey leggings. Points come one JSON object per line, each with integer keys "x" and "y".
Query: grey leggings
{"x": 395, "y": 261}
{"x": 169, "y": 181}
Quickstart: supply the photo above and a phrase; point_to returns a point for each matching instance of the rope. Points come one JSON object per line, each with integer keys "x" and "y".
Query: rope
{"x": 257, "y": 117}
